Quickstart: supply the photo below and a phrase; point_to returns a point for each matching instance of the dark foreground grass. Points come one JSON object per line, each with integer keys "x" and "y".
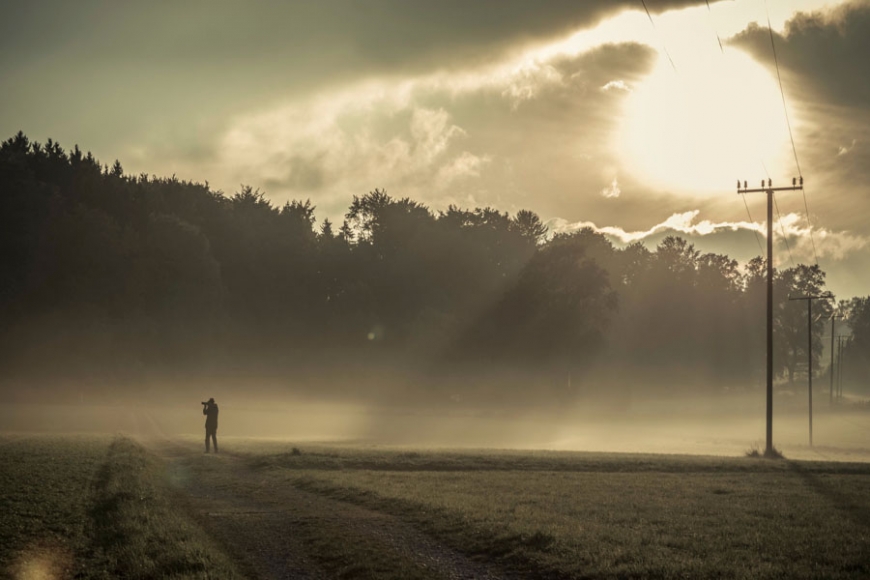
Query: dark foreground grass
{"x": 44, "y": 497}
{"x": 95, "y": 508}
{"x": 612, "y": 516}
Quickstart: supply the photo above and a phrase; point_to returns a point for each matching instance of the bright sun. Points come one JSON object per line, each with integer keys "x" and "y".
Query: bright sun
{"x": 701, "y": 128}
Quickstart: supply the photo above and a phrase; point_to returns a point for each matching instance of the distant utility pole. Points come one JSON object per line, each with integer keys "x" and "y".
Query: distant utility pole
{"x": 809, "y": 299}
{"x": 831, "y": 394}
{"x": 769, "y": 190}
{"x": 840, "y": 341}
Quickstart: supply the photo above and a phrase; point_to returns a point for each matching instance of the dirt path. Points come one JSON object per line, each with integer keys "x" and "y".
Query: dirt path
{"x": 229, "y": 504}
{"x": 275, "y": 530}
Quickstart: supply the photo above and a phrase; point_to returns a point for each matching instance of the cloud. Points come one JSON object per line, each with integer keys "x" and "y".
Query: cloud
{"x": 829, "y": 244}
{"x": 678, "y": 223}
{"x": 439, "y": 137}
{"x": 522, "y": 87}
{"x": 826, "y": 79}
{"x": 527, "y": 80}
{"x": 842, "y": 254}
{"x": 826, "y": 51}
{"x": 135, "y": 70}
{"x": 464, "y": 166}
{"x": 845, "y": 149}
{"x": 611, "y": 190}
{"x": 616, "y": 85}
{"x": 329, "y": 146}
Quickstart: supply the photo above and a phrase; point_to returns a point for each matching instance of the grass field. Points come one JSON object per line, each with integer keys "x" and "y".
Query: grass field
{"x": 95, "y": 507}
{"x": 612, "y": 516}
{"x": 105, "y": 507}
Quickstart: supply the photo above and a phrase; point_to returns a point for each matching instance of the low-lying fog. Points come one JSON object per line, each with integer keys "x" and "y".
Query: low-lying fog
{"x": 722, "y": 425}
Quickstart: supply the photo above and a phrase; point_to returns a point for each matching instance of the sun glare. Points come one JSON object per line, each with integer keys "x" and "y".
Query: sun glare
{"x": 700, "y": 128}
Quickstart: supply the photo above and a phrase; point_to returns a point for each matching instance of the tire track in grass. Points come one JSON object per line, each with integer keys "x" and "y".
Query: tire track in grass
{"x": 133, "y": 528}
{"x": 262, "y": 542}
{"x": 281, "y": 531}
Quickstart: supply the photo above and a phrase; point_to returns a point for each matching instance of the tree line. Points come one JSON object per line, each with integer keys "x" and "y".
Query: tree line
{"x": 114, "y": 277}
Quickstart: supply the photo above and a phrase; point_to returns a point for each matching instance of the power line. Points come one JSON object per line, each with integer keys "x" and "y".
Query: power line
{"x": 722, "y": 49}
{"x": 713, "y": 26}
{"x": 782, "y": 92}
{"x": 664, "y": 48}
{"x": 810, "y": 226}
{"x": 745, "y": 203}
{"x": 782, "y": 229}
{"x": 754, "y": 231}
{"x": 788, "y": 124}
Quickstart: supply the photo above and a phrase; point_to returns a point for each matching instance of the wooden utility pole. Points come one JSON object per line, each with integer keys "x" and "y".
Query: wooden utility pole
{"x": 831, "y": 394}
{"x": 769, "y": 190}
{"x": 809, "y": 299}
{"x": 840, "y": 341}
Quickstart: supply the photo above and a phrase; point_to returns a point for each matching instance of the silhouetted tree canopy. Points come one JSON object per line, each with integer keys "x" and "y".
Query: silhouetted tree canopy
{"x": 108, "y": 276}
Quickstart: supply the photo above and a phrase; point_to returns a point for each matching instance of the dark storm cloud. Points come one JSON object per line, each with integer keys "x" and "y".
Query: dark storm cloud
{"x": 823, "y": 57}
{"x": 170, "y": 76}
{"x": 828, "y": 51}
{"x": 323, "y": 38}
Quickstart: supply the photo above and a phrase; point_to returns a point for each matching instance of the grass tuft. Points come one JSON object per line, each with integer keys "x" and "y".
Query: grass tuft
{"x": 755, "y": 452}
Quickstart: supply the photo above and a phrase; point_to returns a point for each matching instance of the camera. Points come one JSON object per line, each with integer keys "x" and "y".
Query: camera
{"x": 205, "y": 402}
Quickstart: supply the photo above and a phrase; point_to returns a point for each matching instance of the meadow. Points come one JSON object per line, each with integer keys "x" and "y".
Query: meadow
{"x": 117, "y": 506}
{"x": 95, "y": 507}
{"x": 586, "y": 515}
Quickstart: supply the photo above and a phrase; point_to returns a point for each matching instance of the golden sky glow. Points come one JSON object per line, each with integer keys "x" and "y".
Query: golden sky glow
{"x": 705, "y": 125}
{"x": 571, "y": 110}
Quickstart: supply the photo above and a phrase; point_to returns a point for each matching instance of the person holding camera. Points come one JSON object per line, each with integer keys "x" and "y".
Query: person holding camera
{"x": 210, "y": 410}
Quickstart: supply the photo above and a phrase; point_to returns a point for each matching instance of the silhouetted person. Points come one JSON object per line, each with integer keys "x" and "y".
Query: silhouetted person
{"x": 210, "y": 410}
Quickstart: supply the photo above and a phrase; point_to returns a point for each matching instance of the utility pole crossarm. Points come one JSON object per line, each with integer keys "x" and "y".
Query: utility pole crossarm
{"x": 825, "y": 295}
{"x": 767, "y": 189}
{"x": 796, "y": 185}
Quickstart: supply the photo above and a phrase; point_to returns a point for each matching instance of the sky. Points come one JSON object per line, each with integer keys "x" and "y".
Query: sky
{"x": 591, "y": 113}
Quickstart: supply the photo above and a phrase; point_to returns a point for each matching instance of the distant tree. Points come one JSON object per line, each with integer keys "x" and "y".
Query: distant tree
{"x": 529, "y": 225}
{"x": 857, "y": 349}
{"x": 790, "y": 317}
{"x": 393, "y": 244}
{"x": 555, "y": 314}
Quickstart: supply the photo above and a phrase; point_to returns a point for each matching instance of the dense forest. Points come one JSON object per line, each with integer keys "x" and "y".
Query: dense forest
{"x": 115, "y": 279}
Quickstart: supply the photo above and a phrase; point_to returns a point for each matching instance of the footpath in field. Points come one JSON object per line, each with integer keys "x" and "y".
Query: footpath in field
{"x": 280, "y": 531}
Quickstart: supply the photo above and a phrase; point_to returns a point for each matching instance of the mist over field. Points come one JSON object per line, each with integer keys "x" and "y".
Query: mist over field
{"x": 453, "y": 290}
{"x": 724, "y": 425}
{"x": 131, "y": 299}
{"x": 435, "y": 311}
